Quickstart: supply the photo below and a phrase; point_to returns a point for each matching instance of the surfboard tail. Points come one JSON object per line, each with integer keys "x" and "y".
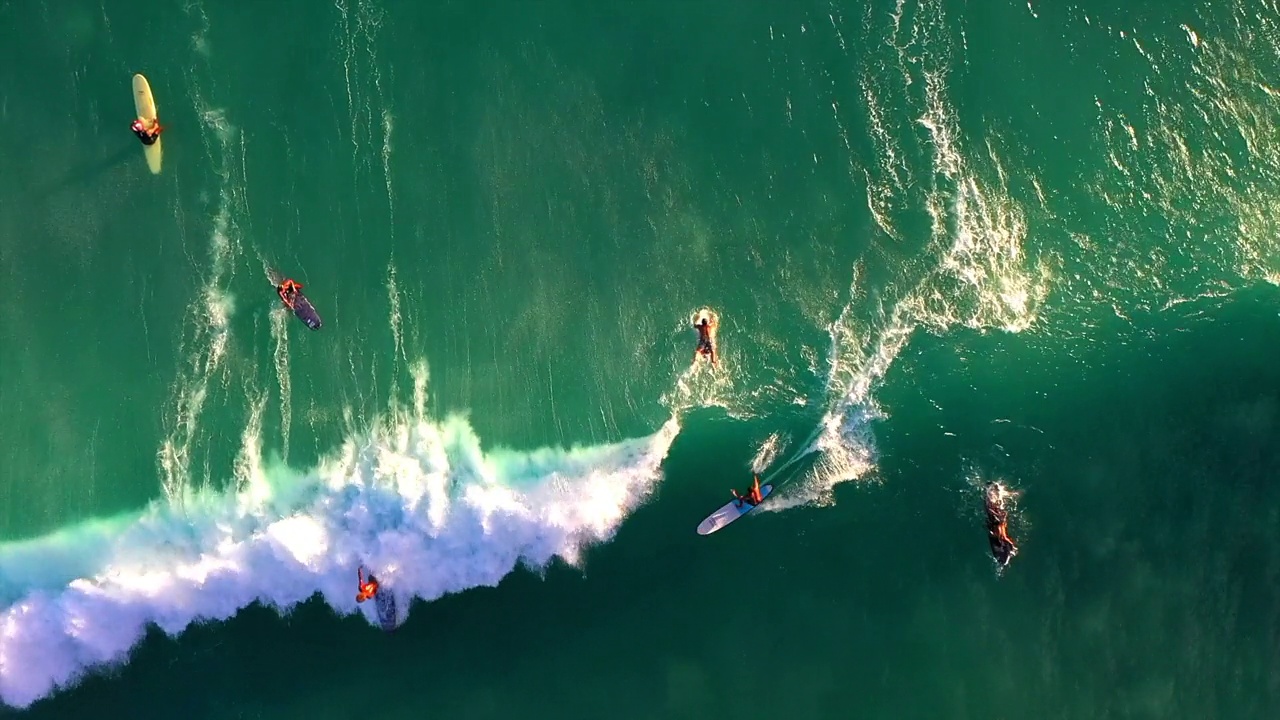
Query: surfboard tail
{"x": 389, "y": 617}
{"x": 729, "y": 512}
{"x": 305, "y": 312}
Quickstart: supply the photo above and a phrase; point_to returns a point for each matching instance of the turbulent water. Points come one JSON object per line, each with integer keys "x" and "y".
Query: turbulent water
{"x": 949, "y": 244}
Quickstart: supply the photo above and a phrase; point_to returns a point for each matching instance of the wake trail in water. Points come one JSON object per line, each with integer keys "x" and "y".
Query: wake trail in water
{"x": 976, "y": 272}
{"x": 280, "y": 359}
{"x": 278, "y": 319}
{"x": 416, "y": 499}
{"x": 208, "y": 336}
{"x": 387, "y": 126}
{"x": 207, "y": 339}
{"x": 769, "y": 450}
{"x": 699, "y": 384}
{"x": 396, "y": 322}
{"x": 359, "y": 22}
{"x": 348, "y": 58}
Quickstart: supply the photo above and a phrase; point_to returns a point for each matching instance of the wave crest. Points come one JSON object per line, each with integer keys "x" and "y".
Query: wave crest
{"x": 419, "y": 502}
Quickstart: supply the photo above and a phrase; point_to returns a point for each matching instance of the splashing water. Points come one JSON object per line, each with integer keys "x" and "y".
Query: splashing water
{"x": 770, "y": 449}
{"x": 415, "y": 499}
{"x": 977, "y": 273}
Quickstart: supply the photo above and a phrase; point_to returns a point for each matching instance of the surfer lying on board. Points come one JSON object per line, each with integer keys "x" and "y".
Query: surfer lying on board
{"x": 705, "y": 346}
{"x": 288, "y": 289}
{"x": 367, "y": 589}
{"x": 752, "y": 497}
{"x": 1002, "y": 546}
{"x": 147, "y": 133}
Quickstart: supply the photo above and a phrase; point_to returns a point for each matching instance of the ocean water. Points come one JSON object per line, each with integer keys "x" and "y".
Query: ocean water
{"x": 949, "y": 244}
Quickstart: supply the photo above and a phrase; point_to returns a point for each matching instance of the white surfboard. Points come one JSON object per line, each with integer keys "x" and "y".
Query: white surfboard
{"x": 145, "y": 105}
{"x": 730, "y": 512}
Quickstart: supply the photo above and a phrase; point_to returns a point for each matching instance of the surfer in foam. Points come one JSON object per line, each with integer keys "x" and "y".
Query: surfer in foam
{"x": 147, "y": 132}
{"x": 1002, "y": 546}
{"x": 367, "y": 589}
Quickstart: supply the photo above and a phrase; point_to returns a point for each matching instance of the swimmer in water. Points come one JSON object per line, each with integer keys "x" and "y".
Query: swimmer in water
{"x": 1002, "y": 546}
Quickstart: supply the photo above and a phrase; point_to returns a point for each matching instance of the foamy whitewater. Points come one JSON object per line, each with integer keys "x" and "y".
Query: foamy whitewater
{"x": 418, "y": 502}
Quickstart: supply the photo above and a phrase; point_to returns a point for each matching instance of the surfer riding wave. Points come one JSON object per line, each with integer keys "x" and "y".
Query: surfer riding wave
{"x": 367, "y": 589}
{"x": 753, "y": 496}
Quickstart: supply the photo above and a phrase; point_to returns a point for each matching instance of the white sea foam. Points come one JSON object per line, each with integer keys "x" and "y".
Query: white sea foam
{"x": 416, "y": 500}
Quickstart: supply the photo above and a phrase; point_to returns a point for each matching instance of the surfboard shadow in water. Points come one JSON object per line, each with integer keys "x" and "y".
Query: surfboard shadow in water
{"x": 87, "y": 173}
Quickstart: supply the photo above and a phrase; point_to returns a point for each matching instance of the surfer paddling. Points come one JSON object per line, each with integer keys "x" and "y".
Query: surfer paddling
{"x": 288, "y": 291}
{"x": 706, "y": 342}
{"x": 147, "y": 131}
{"x": 367, "y": 589}
{"x": 1002, "y": 546}
{"x": 753, "y": 496}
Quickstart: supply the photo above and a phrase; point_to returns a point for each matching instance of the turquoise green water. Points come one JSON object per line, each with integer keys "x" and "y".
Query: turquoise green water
{"x": 948, "y": 245}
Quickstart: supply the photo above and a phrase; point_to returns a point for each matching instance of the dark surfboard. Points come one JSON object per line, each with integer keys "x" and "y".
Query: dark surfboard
{"x": 305, "y": 312}
{"x": 388, "y": 616}
{"x": 302, "y": 307}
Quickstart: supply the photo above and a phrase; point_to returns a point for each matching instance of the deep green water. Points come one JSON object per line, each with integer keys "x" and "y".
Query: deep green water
{"x": 949, "y": 243}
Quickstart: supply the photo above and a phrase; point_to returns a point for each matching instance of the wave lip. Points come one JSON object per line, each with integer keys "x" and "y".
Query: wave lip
{"x": 419, "y": 502}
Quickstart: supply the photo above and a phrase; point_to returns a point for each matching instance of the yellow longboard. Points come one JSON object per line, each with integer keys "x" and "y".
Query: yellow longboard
{"x": 145, "y": 105}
